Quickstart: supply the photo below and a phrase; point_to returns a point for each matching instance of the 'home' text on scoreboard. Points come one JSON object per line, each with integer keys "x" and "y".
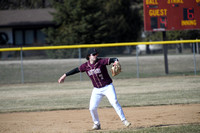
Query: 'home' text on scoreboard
{"x": 163, "y": 15}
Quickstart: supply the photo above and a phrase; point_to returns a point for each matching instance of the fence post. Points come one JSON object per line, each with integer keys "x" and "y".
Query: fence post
{"x": 137, "y": 53}
{"x": 197, "y": 46}
{"x": 165, "y": 51}
{"x": 22, "y": 69}
{"x": 195, "y": 69}
{"x": 182, "y": 45}
{"x": 79, "y": 51}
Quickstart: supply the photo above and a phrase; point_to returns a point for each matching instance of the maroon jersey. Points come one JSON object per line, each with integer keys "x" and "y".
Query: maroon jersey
{"x": 97, "y": 72}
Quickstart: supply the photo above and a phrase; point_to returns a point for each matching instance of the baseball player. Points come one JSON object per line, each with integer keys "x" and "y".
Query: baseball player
{"x": 97, "y": 71}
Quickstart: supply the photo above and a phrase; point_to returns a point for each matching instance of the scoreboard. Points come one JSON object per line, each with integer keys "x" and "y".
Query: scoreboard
{"x": 164, "y": 15}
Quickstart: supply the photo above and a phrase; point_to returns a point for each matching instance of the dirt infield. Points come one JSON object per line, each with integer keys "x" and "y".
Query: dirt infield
{"x": 76, "y": 121}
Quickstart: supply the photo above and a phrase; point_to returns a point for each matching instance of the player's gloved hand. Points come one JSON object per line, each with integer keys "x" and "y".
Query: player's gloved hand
{"x": 62, "y": 78}
{"x": 116, "y": 68}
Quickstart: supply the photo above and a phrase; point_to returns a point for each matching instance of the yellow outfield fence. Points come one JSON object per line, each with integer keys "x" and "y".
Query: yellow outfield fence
{"x": 97, "y": 45}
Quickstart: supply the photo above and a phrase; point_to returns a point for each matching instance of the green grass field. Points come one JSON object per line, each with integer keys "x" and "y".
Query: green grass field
{"x": 76, "y": 94}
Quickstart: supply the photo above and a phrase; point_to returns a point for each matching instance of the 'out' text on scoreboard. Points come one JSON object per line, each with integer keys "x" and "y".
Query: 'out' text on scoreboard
{"x": 163, "y": 15}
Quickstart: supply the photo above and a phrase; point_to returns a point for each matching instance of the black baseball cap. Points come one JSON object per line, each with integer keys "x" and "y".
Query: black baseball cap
{"x": 91, "y": 51}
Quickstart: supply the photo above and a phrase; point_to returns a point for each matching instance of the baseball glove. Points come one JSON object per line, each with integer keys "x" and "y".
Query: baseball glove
{"x": 116, "y": 69}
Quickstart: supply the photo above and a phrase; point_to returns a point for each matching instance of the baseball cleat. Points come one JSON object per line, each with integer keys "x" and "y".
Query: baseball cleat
{"x": 126, "y": 123}
{"x": 96, "y": 127}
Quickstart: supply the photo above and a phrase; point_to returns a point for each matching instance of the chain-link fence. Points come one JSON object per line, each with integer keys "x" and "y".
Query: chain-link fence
{"x": 137, "y": 62}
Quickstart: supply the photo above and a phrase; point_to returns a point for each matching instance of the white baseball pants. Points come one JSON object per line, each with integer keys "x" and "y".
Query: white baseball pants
{"x": 97, "y": 95}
